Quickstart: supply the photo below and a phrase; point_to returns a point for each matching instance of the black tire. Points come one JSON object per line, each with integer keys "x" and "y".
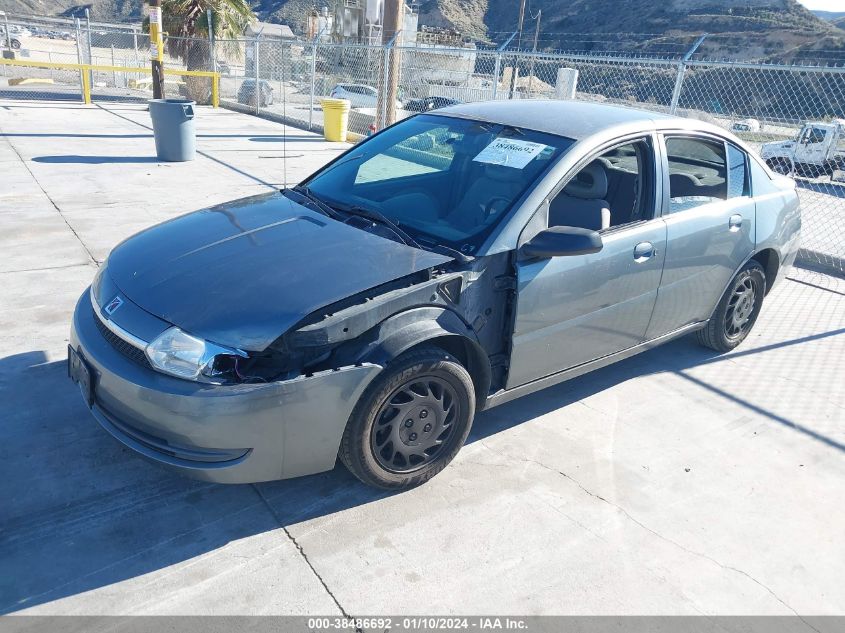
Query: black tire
{"x": 737, "y": 311}
{"x": 382, "y": 415}
{"x": 16, "y": 44}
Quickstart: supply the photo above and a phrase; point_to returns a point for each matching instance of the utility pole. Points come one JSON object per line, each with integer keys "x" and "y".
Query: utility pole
{"x": 518, "y": 44}
{"x": 389, "y": 79}
{"x": 534, "y": 51}
{"x": 156, "y": 49}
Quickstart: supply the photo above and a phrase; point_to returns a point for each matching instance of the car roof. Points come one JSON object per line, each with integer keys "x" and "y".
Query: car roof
{"x": 571, "y": 119}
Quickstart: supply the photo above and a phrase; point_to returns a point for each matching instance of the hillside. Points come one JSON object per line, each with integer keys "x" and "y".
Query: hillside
{"x": 832, "y": 16}
{"x": 748, "y": 29}
{"x": 106, "y": 10}
{"x": 770, "y": 30}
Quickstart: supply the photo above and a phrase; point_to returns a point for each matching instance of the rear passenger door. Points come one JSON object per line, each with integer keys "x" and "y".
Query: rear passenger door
{"x": 709, "y": 215}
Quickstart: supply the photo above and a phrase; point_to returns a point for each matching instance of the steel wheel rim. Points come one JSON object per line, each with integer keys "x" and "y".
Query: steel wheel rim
{"x": 415, "y": 424}
{"x": 741, "y": 308}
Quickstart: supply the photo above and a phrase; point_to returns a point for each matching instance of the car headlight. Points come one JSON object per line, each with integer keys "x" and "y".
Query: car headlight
{"x": 179, "y": 354}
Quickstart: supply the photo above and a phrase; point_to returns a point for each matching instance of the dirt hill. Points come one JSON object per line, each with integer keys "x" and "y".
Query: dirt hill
{"x": 770, "y": 30}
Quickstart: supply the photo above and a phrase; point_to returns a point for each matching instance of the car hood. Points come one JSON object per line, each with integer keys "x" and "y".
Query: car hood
{"x": 243, "y": 273}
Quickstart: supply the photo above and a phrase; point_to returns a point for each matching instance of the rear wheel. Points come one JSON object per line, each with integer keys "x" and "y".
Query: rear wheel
{"x": 737, "y": 310}
{"x": 411, "y": 422}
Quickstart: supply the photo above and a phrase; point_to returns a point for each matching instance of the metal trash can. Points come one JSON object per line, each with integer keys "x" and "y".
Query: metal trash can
{"x": 174, "y": 129}
{"x": 335, "y": 119}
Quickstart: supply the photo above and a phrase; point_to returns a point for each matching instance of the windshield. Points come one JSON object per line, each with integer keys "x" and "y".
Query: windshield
{"x": 445, "y": 179}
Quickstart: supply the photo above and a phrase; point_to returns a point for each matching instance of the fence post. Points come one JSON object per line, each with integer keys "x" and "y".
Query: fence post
{"x": 682, "y": 69}
{"x": 90, "y": 51}
{"x": 257, "y": 91}
{"x": 679, "y": 82}
{"x": 79, "y": 59}
{"x": 135, "y": 44}
{"x": 313, "y": 82}
{"x": 497, "y": 68}
{"x": 383, "y": 96}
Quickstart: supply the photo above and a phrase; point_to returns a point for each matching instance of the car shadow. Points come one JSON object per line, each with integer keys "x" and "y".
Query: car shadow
{"x": 81, "y": 511}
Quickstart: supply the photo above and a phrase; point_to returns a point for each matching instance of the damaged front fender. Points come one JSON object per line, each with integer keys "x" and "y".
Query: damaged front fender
{"x": 434, "y": 325}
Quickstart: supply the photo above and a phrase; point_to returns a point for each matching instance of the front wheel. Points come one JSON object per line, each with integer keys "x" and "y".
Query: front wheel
{"x": 411, "y": 421}
{"x": 737, "y": 310}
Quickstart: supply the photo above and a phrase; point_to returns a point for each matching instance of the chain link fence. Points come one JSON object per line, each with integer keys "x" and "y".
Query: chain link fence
{"x": 788, "y": 114}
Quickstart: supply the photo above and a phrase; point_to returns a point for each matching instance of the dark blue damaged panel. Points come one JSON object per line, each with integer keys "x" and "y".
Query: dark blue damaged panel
{"x": 241, "y": 274}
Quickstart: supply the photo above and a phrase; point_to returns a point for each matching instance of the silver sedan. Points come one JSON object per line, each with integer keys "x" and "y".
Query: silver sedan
{"x": 450, "y": 263}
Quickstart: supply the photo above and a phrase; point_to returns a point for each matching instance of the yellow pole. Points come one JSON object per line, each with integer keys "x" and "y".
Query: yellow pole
{"x": 86, "y": 85}
{"x": 215, "y": 90}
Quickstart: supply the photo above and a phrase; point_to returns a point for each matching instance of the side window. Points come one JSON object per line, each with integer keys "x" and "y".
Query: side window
{"x": 614, "y": 189}
{"x": 697, "y": 172}
{"x": 425, "y": 153}
{"x": 814, "y": 135}
{"x": 737, "y": 172}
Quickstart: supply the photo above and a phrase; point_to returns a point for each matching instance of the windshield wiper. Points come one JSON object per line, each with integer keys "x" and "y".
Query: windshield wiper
{"x": 322, "y": 207}
{"x": 378, "y": 216}
{"x": 445, "y": 250}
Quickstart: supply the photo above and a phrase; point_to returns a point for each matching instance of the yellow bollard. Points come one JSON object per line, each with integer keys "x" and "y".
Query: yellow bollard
{"x": 86, "y": 86}
{"x": 335, "y": 119}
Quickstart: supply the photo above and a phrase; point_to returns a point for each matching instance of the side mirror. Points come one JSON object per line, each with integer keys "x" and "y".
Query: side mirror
{"x": 560, "y": 241}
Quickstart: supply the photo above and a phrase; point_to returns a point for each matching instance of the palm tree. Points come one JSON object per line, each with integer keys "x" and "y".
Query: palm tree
{"x": 186, "y": 25}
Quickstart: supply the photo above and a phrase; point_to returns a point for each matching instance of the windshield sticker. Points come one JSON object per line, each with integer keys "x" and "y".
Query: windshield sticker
{"x": 509, "y": 152}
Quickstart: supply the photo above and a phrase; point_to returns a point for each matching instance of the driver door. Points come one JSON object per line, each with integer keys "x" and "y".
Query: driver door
{"x": 574, "y": 309}
{"x": 812, "y": 146}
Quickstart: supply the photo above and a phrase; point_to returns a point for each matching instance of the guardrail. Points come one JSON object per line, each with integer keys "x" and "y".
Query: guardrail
{"x": 86, "y": 69}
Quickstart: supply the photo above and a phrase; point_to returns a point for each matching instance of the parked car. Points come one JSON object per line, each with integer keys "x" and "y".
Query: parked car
{"x": 247, "y": 93}
{"x": 429, "y": 103}
{"x": 359, "y": 95}
{"x": 745, "y": 126}
{"x": 452, "y": 262}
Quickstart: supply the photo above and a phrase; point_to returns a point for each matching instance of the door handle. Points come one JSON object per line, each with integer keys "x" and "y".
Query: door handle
{"x": 735, "y": 223}
{"x": 643, "y": 252}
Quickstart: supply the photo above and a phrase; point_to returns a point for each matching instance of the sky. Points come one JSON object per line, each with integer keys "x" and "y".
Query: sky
{"x": 824, "y": 5}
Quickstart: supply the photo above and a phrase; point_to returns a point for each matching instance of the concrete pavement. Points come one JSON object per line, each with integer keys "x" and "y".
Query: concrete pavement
{"x": 676, "y": 482}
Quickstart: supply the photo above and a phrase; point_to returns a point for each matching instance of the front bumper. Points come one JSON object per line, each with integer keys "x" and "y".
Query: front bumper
{"x": 223, "y": 433}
